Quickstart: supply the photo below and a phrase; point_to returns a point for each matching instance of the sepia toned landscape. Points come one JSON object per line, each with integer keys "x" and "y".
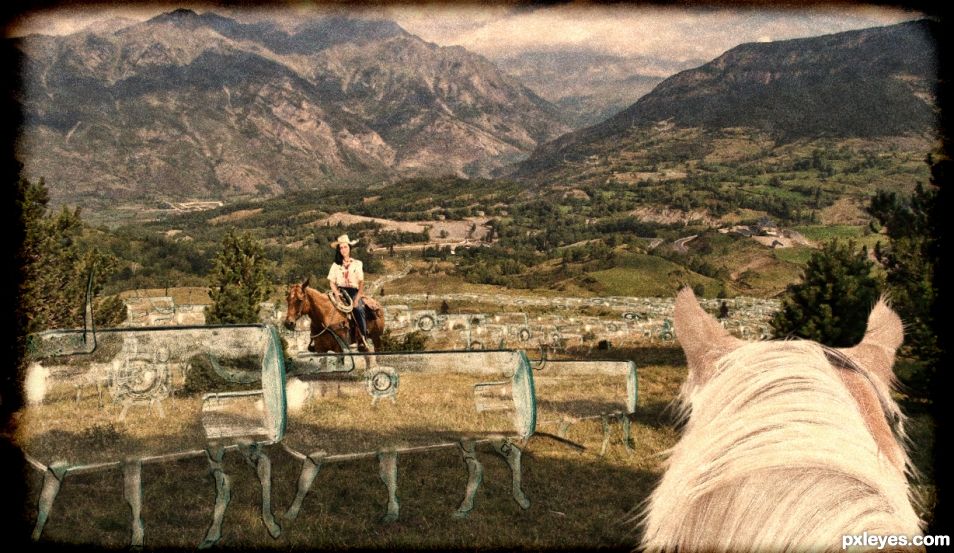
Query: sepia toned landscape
{"x": 525, "y": 183}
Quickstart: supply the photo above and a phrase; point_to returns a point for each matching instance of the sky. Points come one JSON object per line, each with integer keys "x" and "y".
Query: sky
{"x": 498, "y": 30}
{"x": 679, "y": 34}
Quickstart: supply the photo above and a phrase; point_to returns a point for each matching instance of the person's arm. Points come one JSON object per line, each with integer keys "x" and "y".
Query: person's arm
{"x": 331, "y": 282}
{"x": 359, "y": 273}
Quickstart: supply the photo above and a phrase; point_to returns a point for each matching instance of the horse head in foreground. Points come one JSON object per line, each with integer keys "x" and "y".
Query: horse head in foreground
{"x": 329, "y": 327}
{"x": 789, "y": 445}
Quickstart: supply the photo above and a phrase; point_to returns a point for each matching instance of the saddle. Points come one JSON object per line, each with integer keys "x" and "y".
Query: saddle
{"x": 372, "y": 312}
{"x": 373, "y": 306}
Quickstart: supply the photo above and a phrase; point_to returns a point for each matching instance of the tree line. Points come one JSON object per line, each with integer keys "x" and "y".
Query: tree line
{"x": 829, "y": 304}
{"x": 838, "y": 288}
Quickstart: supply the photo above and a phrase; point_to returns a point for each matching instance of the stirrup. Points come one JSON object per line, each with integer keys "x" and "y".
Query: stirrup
{"x": 368, "y": 344}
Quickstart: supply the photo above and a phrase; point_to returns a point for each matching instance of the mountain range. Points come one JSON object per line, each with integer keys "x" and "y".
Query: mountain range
{"x": 589, "y": 86}
{"x": 201, "y": 105}
{"x": 189, "y": 105}
{"x": 877, "y": 82}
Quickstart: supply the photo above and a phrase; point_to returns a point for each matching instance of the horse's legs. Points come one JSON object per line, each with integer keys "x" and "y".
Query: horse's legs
{"x": 509, "y": 451}
{"x": 387, "y": 470}
{"x": 310, "y": 466}
{"x": 376, "y": 340}
{"x": 256, "y": 458}
{"x": 475, "y": 475}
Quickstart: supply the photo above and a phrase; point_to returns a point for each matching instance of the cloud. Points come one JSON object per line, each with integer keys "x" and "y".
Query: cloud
{"x": 676, "y": 35}
{"x": 71, "y": 18}
{"x": 679, "y": 34}
{"x": 445, "y": 24}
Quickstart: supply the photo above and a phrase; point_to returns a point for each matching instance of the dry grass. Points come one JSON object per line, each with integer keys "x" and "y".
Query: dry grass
{"x": 455, "y": 231}
{"x": 578, "y": 499}
{"x": 235, "y": 216}
{"x": 96, "y": 435}
{"x": 845, "y": 211}
{"x": 428, "y": 409}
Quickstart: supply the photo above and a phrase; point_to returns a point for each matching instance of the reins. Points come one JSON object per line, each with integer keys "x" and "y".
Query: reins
{"x": 842, "y": 361}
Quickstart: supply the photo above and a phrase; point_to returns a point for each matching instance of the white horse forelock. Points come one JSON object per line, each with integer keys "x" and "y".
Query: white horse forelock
{"x": 775, "y": 456}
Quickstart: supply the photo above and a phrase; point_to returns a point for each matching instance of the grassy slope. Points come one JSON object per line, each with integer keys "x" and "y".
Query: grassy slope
{"x": 648, "y": 276}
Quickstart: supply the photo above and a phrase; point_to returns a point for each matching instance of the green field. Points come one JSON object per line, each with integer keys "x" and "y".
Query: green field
{"x": 798, "y": 255}
{"x": 649, "y": 276}
{"x": 824, "y": 233}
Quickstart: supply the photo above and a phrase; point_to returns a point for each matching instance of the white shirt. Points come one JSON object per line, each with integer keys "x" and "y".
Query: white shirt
{"x": 350, "y": 277}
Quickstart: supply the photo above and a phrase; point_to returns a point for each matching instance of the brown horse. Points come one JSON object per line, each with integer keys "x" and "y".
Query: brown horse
{"x": 326, "y": 321}
{"x": 789, "y": 445}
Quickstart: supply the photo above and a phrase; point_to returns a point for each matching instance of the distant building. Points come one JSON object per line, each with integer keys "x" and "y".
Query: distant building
{"x": 766, "y": 227}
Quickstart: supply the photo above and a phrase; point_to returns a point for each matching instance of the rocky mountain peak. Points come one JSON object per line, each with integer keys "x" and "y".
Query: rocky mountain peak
{"x": 193, "y": 104}
{"x": 181, "y": 17}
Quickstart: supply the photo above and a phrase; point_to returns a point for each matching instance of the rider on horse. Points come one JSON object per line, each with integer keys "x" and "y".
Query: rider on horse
{"x": 347, "y": 276}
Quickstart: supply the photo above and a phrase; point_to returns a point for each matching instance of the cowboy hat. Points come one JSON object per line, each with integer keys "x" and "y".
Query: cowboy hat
{"x": 343, "y": 239}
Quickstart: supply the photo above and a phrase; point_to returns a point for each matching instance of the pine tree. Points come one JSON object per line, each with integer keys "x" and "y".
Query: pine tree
{"x": 54, "y": 266}
{"x": 831, "y": 303}
{"x": 909, "y": 260}
{"x": 239, "y": 280}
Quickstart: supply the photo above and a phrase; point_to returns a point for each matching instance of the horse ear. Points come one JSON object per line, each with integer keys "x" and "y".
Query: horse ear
{"x": 702, "y": 338}
{"x": 305, "y": 283}
{"x": 883, "y": 337}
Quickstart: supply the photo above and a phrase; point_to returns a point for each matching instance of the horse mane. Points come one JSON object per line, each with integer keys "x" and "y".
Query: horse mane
{"x": 775, "y": 455}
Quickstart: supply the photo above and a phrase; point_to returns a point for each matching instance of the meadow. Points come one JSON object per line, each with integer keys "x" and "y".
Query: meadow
{"x": 578, "y": 499}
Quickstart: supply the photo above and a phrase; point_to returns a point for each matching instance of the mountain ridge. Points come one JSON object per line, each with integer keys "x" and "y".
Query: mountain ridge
{"x": 172, "y": 107}
{"x": 871, "y": 82}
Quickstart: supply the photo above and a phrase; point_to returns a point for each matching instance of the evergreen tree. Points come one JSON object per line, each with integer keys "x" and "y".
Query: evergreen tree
{"x": 909, "y": 261}
{"x": 239, "y": 280}
{"x": 55, "y": 265}
{"x": 831, "y": 303}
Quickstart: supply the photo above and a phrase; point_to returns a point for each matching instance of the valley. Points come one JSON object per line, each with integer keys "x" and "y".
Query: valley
{"x": 718, "y": 176}
{"x": 549, "y": 193}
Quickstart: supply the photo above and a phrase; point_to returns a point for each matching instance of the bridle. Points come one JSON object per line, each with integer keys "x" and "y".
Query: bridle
{"x": 841, "y": 361}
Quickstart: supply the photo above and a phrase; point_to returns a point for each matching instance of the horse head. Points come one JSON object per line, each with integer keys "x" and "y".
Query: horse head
{"x": 790, "y": 445}
{"x": 297, "y": 300}
{"x": 865, "y": 369}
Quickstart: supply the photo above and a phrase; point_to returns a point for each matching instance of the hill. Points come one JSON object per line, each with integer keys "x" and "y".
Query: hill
{"x": 867, "y": 84}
